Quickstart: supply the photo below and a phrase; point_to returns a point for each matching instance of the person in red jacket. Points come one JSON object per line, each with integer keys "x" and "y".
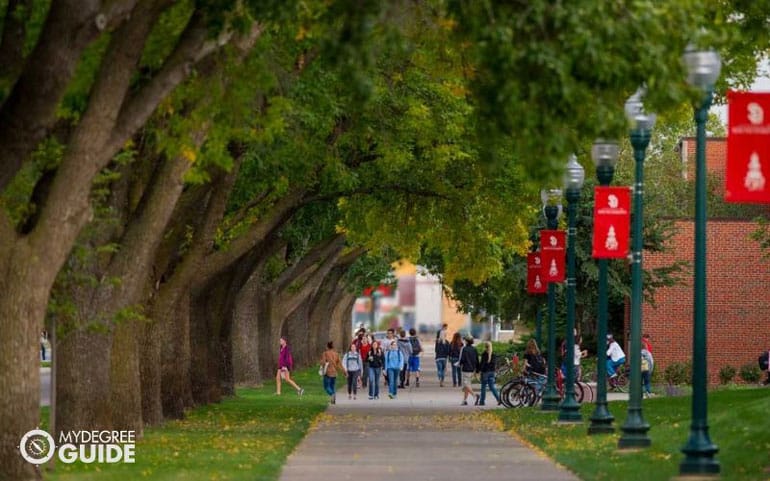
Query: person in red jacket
{"x": 646, "y": 342}
{"x": 363, "y": 349}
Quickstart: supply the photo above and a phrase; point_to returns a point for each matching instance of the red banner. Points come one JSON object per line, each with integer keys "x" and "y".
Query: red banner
{"x": 535, "y": 282}
{"x": 553, "y": 246}
{"x": 612, "y": 221}
{"x": 748, "y": 147}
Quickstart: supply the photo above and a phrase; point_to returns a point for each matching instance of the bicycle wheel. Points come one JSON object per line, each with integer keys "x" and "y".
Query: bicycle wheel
{"x": 622, "y": 382}
{"x": 505, "y": 393}
{"x": 579, "y": 393}
{"x": 518, "y": 395}
{"x": 529, "y": 395}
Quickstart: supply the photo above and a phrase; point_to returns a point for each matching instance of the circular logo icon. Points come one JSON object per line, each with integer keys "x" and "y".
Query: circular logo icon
{"x": 37, "y": 446}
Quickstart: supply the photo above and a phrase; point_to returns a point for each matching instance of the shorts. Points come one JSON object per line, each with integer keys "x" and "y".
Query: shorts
{"x": 414, "y": 363}
{"x": 467, "y": 376}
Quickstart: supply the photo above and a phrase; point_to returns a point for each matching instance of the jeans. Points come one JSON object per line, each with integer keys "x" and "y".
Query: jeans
{"x": 457, "y": 377}
{"x": 374, "y": 386}
{"x": 488, "y": 379}
{"x": 441, "y": 368}
{"x": 612, "y": 365}
{"x": 392, "y": 380}
{"x": 329, "y": 385}
{"x": 353, "y": 381}
{"x": 365, "y": 375}
{"x": 646, "y": 375}
{"x": 402, "y": 375}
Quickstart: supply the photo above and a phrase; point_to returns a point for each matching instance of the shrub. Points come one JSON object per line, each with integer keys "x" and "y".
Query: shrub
{"x": 750, "y": 373}
{"x": 678, "y": 373}
{"x": 726, "y": 375}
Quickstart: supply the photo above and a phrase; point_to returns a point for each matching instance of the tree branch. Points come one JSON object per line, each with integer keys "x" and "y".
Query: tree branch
{"x": 67, "y": 207}
{"x": 376, "y": 189}
{"x": 28, "y": 112}
{"x": 320, "y": 251}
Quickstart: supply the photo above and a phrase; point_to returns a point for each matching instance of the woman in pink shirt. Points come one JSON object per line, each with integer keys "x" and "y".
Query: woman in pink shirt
{"x": 285, "y": 365}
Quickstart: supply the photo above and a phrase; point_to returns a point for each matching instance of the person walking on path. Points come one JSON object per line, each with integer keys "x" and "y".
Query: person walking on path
{"x": 414, "y": 358}
{"x": 376, "y": 361}
{"x": 454, "y": 359}
{"x": 394, "y": 362}
{"x": 285, "y": 366}
{"x": 363, "y": 349}
{"x": 487, "y": 371}
{"x": 406, "y": 351}
{"x": 389, "y": 336}
{"x": 351, "y": 366}
{"x": 443, "y": 349}
{"x": 469, "y": 364}
{"x": 330, "y": 362}
{"x": 648, "y": 363}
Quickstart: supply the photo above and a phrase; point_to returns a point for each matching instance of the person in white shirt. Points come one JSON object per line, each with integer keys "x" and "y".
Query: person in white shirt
{"x": 615, "y": 357}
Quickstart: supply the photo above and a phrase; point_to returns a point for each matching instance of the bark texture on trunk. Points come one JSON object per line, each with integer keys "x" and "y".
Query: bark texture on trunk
{"x": 22, "y": 307}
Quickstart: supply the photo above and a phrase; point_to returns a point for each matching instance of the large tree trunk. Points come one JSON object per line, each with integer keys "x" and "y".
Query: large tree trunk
{"x": 172, "y": 314}
{"x": 245, "y": 335}
{"x": 150, "y": 372}
{"x": 22, "y": 308}
{"x": 298, "y": 330}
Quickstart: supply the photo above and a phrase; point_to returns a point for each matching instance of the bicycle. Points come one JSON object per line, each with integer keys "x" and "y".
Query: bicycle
{"x": 619, "y": 383}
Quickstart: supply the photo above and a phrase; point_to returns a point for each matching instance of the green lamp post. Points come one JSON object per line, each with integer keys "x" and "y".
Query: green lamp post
{"x": 552, "y": 210}
{"x": 569, "y": 409}
{"x": 605, "y": 156}
{"x": 635, "y": 428}
{"x": 703, "y": 69}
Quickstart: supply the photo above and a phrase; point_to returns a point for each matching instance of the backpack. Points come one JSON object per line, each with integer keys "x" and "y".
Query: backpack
{"x": 416, "y": 346}
{"x": 645, "y": 364}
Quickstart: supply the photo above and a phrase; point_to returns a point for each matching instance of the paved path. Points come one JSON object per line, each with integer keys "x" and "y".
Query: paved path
{"x": 423, "y": 435}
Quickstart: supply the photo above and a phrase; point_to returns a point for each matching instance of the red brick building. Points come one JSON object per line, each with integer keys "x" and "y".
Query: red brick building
{"x": 737, "y": 280}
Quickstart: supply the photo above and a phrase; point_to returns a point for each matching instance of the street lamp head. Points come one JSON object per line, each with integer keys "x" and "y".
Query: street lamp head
{"x": 574, "y": 175}
{"x": 703, "y": 67}
{"x": 550, "y": 197}
{"x": 605, "y": 153}
{"x": 637, "y": 117}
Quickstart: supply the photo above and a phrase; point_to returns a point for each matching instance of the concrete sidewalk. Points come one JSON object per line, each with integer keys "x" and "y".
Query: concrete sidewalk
{"x": 424, "y": 434}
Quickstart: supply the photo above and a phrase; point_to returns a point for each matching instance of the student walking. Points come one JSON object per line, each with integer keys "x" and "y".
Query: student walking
{"x": 487, "y": 371}
{"x": 414, "y": 358}
{"x": 406, "y": 351}
{"x": 376, "y": 361}
{"x": 351, "y": 366}
{"x": 469, "y": 364}
{"x": 363, "y": 349}
{"x": 394, "y": 362}
{"x": 330, "y": 363}
{"x": 443, "y": 349}
{"x": 455, "y": 348}
{"x": 285, "y": 366}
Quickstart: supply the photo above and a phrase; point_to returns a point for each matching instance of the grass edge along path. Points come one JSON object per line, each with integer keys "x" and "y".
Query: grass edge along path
{"x": 245, "y": 437}
{"x": 738, "y": 425}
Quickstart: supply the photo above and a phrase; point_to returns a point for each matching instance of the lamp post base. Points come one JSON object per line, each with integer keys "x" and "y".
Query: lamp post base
{"x": 634, "y": 436}
{"x": 550, "y": 401}
{"x": 699, "y": 458}
{"x": 570, "y": 412}
{"x": 601, "y": 422}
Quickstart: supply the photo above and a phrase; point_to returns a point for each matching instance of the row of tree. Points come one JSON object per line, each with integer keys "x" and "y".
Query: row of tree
{"x": 183, "y": 182}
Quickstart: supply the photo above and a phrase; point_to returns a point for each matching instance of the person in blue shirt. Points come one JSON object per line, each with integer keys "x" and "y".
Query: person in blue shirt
{"x": 394, "y": 362}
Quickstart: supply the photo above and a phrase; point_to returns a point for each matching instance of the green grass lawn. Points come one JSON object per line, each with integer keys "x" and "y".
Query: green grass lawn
{"x": 247, "y": 437}
{"x": 739, "y": 422}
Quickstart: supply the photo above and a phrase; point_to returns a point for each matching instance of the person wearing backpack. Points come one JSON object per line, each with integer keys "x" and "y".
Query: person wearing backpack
{"x": 414, "y": 358}
{"x": 394, "y": 362}
{"x": 351, "y": 366}
{"x": 647, "y": 365}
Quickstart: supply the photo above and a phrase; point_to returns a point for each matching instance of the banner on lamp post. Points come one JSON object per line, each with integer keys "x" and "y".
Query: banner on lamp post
{"x": 535, "y": 282}
{"x": 748, "y": 147}
{"x": 612, "y": 222}
{"x": 553, "y": 246}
